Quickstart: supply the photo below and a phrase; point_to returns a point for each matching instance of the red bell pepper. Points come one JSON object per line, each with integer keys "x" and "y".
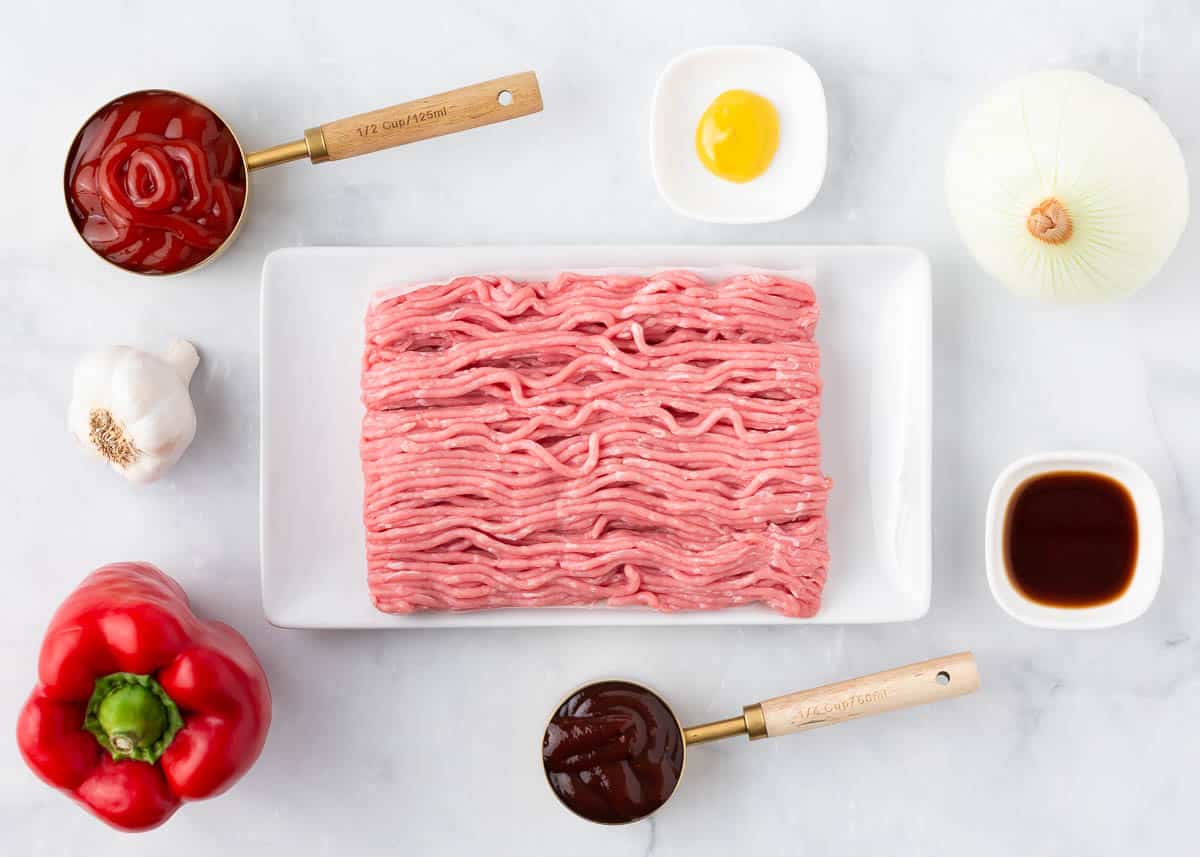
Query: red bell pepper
{"x": 139, "y": 705}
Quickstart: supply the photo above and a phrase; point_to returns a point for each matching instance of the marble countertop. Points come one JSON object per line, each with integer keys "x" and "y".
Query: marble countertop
{"x": 425, "y": 742}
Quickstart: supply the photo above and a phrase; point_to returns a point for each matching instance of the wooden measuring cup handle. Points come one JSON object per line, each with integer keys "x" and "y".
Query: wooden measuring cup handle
{"x": 458, "y": 110}
{"x": 903, "y": 687}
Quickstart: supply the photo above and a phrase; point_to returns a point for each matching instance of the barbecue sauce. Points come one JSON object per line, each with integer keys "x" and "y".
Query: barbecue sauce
{"x": 1070, "y": 539}
{"x": 613, "y": 752}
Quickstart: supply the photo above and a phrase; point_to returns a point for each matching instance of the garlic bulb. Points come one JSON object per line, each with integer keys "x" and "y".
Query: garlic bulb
{"x": 1067, "y": 187}
{"x": 133, "y": 409}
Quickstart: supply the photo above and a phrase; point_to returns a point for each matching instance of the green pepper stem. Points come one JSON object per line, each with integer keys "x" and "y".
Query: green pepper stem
{"x": 132, "y": 716}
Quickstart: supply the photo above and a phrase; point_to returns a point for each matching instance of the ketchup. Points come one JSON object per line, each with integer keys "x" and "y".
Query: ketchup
{"x": 155, "y": 182}
{"x": 613, "y": 752}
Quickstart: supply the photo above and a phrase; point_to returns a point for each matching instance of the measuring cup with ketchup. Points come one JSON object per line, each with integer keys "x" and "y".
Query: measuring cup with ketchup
{"x": 156, "y": 182}
{"x": 613, "y": 751}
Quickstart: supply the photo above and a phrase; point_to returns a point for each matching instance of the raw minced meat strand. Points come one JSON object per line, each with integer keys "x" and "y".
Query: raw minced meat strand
{"x": 594, "y": 439}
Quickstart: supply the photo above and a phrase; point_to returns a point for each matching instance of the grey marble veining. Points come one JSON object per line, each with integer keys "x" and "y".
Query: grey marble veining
{"x": 426, "y": 743}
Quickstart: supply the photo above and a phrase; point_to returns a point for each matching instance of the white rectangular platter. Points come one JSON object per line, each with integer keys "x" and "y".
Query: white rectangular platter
{"x": 875, "y": 338}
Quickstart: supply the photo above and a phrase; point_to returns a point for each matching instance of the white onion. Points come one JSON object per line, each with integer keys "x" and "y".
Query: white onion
{"x": 1067, "y": 187}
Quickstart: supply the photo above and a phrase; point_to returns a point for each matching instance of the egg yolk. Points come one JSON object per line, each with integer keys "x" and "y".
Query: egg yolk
{"x": 738, "y": 135}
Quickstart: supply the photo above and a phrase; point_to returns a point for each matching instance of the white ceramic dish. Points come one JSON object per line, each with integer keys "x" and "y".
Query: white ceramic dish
{"x": 685, "y": 89}
{"x": 875, "y": 424}
{"x": 1148, "y": 564}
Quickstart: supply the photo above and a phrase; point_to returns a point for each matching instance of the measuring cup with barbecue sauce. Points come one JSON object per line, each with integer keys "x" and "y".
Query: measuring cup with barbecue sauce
{"x": 614, "y": 752}
{"x": 156, "y": 182}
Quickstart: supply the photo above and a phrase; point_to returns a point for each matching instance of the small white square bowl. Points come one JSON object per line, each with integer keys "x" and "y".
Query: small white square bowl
{"x": 1147, "y": 572}
{"x": 688, "y": 86}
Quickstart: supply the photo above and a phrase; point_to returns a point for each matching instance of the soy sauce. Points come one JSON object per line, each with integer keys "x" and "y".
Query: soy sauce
{"x": 1070, "y": 539}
